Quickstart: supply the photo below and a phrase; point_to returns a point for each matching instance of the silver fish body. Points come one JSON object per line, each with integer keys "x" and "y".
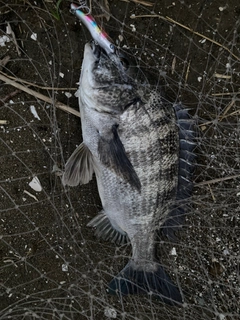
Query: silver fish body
{"x": 140, "y": 148}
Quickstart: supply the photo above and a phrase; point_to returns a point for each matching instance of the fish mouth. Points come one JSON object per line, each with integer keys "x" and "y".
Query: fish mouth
{"x": 119, "y": 60}
{"x": 97, "y": 50}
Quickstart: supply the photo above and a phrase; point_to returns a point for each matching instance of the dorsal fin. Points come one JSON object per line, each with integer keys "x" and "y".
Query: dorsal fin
{"x": 187, "y": 144}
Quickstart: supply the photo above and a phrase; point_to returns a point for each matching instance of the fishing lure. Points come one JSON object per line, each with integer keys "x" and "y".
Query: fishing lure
{"x": 98, "y": 34}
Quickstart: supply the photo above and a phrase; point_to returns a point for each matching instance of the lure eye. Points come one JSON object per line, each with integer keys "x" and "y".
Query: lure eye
{"x": 112, "y": 47}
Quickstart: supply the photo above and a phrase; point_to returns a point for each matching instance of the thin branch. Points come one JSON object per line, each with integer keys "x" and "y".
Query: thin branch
{"x": 10, "y": 30}
{"x": 9, "y": 96}
{"x": 220, "y": 94}
{"x": 144, "y": 3}
{"x": 36, "y": 85}
{"x": 38, "y": 95}
{"x": 4, "y": 61}
{"x": 221, "y": 76}
{"x": 212, "y": 194}
{"x": 168, "y": 19}
{"x": 224, "y": 115}
{"x": 217, "y": 180}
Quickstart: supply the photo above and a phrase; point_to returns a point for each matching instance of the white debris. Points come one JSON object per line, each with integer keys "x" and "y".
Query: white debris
{"x": 199, "y": 79}
{"x": 35, "y": 184}
{"x": 8, "y": 29}
{"x": 30, "y": 195}
{"x": 226, "y": 252}
{"x": 34, "y": 36}
{"x": 64, "y": 267}
{"x": 228, "y": 66}
{"x": 110, "y": 313}
{"x": 133, "y": 27}
{"x": 61, "y": 74}
{"x": 34, "y": 112}
{"x": 3, "y": 40}
{"x": 173, "y": 252}
{"x": 221, "y": 8}
{"x": 202, "y": 40}
{"x": 238, "y": 194}
{"x": 68, "y": 94}
{"x": 120, "y": 37}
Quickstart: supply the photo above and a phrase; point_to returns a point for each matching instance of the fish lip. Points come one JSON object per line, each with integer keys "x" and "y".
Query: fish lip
{"x": 97, "y": 50}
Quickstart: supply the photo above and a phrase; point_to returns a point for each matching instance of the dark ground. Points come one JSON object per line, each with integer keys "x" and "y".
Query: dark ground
{"x": 51, "y": 265}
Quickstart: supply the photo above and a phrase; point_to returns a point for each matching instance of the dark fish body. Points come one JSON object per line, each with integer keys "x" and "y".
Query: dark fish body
{"x": 140, "y": 148}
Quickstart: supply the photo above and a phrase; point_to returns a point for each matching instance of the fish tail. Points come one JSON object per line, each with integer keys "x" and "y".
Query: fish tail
{"x": 132, "y": 280}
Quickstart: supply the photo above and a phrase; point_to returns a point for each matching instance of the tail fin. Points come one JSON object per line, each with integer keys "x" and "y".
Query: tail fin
{"x": 134, "y": 281}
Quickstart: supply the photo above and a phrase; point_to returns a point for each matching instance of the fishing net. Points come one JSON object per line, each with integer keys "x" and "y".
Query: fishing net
{"x": 51, "y": 265}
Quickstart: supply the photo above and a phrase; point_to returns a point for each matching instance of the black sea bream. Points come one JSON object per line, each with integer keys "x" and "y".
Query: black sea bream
{"x": 140, "y": 148}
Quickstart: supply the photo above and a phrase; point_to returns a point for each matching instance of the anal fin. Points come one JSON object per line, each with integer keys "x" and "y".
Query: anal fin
{"x": 105, "y": 230}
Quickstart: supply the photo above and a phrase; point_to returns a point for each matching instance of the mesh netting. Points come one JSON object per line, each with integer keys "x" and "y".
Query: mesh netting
{"x": 51, "y": 265}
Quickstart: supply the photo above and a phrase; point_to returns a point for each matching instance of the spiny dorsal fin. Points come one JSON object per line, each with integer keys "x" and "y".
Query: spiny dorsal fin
{"x": 79, "y": 167}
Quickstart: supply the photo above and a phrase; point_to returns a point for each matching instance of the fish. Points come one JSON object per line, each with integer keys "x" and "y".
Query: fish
{"x": 140, "y": 147}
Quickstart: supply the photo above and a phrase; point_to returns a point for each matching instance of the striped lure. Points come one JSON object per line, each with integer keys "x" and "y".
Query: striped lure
{"x": 97, "y": 34}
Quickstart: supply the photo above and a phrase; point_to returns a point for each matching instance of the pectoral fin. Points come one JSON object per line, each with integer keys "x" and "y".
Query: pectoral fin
{"x": 79, "y": 167}
{"x": 113, "y": 155}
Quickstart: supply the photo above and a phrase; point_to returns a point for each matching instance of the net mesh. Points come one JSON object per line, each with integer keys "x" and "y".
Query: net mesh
{"x": 51, "y": 264}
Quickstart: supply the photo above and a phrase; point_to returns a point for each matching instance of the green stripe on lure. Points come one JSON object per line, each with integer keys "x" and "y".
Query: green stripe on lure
{"x": 97, "y": 34}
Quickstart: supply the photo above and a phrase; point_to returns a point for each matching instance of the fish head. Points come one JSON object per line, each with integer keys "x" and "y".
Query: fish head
{"x": 107, "y": 80}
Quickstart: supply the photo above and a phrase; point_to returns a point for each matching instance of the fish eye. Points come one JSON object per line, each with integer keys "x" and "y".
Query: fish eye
{"x": 124, "y": 63}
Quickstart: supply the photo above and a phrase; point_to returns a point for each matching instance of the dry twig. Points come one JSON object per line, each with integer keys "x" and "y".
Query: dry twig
{"x": 217, "y": 180}
{"x": 4, "y": 61}
{"x": 144, "y": 3}
{"x": 224, "y": 114}
{"x": 19, "y": 80}
{"x": 220, "y": 94}
{"x": 221, "y": 76}
{"x": 9, "y": 96}
{"x": 14, "y": 39}
{"x": 39, "y": 96}
{"x": 168, "y": 19}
